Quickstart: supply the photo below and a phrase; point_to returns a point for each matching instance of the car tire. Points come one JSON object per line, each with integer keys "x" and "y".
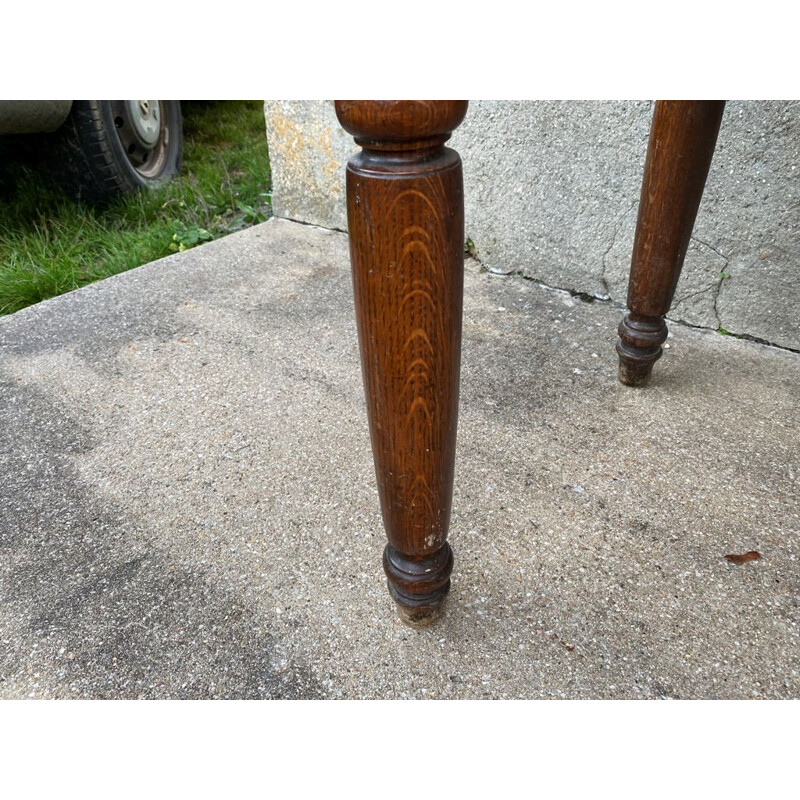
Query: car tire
{"x": 107, "y": 148}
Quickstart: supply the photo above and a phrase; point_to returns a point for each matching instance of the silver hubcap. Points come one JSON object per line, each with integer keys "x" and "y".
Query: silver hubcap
{"x": 145, "y": 119}
{"x": 142, "y": 127}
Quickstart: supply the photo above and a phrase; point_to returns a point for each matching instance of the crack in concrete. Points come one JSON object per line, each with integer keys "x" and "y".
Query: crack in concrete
{"x": 306, "y": 224}
{"x": 710, "y": 247}
{"x": 717, "y": 290}
{"x": 617, "y": 228}
{"x": 746, "y": 336}
{"x": 705, "y": 290}
{"x": 715, "y": 287}
{"x": 584, "y": 297}
{"x": 603, "y": 281}
{"x": 592, "y": 298}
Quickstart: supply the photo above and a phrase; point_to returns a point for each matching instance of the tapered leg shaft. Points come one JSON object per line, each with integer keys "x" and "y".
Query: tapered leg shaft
{"x": 682, "y": 139}
{"x": 406, "y": 224}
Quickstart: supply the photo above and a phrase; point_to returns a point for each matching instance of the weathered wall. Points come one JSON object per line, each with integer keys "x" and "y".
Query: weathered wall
{"x": 552, "y": 190}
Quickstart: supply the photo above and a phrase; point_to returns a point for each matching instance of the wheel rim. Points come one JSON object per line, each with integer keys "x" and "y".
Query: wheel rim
{"x": 142, "y": 127}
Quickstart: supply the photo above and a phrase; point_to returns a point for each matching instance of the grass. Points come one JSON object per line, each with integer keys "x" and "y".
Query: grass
{"x": 50, "y": 245}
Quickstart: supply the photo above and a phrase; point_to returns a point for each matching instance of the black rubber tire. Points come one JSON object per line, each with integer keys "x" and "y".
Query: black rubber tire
{"x": 89, "y": 159}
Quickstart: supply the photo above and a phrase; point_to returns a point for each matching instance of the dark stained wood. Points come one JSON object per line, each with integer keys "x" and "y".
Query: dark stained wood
{"x": 405, "y": 211}
{"x": 682, "y": 139}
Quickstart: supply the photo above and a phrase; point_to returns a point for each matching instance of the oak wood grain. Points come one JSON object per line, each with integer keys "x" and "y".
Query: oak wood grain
{"x": 405, "y": 211}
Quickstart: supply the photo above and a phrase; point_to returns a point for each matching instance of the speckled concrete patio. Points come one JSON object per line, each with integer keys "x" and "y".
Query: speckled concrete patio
{"x": 189, "y": 510}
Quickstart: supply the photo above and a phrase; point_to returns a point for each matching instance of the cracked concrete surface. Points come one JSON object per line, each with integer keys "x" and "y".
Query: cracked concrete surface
{"x": 552, "y": 191}
{"x": 679, "y": 310}
{"x": 189, "y": 507}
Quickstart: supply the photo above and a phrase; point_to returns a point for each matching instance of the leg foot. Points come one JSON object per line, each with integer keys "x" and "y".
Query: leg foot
{"x": 639, "y": 347}
{"x": 682, "y": 139}
{"x": 419, "y": 586}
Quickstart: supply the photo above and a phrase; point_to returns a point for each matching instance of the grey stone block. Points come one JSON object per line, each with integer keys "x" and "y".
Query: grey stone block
{"x": 308, "y": 150}
{"x": 552, "y": 190}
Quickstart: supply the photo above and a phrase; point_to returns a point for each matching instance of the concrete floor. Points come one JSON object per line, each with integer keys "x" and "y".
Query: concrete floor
{"x": 189, "y": 509}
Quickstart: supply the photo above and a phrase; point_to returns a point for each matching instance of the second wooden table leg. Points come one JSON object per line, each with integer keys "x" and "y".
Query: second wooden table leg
{"x": 682, "y": 139}
{"x": 405, "y": 212}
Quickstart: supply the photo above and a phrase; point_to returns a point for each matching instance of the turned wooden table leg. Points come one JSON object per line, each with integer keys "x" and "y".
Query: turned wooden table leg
{"x": 405, "y": 211}
{"x": 682, "y": 139}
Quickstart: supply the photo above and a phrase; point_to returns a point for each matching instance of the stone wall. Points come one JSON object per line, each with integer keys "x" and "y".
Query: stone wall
{"x": 552, "y": 190}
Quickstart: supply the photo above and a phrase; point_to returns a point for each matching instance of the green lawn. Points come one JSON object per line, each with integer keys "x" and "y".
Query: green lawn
{"x": 50, "y": 245}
